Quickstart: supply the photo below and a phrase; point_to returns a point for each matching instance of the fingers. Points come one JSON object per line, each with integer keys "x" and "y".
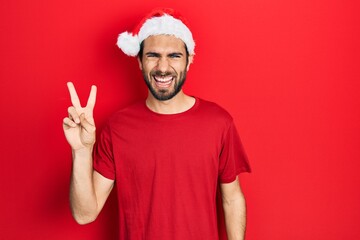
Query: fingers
{"x": 92, "y": 98}
{"x": 86, "y": 125}
{"x": 69, "y": 123}
{"x": 75, "y": 98}
{"x": 73, "y": 114}
{"x": 73, "y": 95}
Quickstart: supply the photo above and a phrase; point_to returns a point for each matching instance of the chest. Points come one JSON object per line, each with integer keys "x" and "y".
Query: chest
{"x": 149, "y": 150}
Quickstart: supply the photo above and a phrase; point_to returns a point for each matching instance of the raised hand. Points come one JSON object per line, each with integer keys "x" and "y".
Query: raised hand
{"x": 79, "y": 126}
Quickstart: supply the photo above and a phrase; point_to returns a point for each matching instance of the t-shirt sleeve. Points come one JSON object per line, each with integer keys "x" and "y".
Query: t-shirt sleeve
{"x": 233, "y": 159}
{"x": 103, "y": 154}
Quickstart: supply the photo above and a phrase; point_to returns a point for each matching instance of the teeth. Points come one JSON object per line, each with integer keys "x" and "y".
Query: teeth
{"x": 163, "y": 79}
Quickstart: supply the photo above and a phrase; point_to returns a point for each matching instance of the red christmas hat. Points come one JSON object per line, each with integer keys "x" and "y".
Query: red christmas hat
{"x": 160, "y": 21}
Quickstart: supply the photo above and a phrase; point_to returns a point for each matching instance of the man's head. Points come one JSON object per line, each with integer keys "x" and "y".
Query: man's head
{"x": 164, "y": 62}
{"x": 165, "y": 48}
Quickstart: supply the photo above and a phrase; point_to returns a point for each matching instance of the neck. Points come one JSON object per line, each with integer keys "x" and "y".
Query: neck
{"x": 178, "y": 104}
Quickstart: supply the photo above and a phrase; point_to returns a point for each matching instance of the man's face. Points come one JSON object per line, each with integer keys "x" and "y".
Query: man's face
{"x": 164, "y": 65}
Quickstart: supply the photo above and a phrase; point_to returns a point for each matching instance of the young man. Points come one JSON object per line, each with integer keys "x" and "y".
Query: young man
{"x": 168, "y": 155}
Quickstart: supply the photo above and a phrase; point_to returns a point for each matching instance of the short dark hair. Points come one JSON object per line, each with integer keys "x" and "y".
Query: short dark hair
{"x": 140, "y": 54}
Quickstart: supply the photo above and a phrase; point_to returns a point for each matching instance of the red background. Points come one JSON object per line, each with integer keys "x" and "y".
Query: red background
{"x": 288, "y": 72}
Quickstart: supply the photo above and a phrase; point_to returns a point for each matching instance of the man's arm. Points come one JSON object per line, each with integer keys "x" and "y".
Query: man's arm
{"x": 234, "y": 210}
{"x": 88, "y": 189}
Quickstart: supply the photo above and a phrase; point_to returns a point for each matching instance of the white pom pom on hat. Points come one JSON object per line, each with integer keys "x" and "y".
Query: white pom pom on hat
{"x": 128, "y": 43}
{"x": 159, "y": 21}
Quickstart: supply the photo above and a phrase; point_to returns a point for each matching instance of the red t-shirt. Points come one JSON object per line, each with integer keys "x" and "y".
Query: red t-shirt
{"x": 167, "y": 169}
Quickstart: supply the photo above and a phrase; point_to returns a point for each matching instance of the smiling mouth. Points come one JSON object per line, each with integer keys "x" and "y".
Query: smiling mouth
{"x": 163, "y": 81}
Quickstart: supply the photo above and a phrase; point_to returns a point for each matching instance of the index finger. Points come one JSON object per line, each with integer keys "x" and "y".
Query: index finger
{"x": 73, "y": 95}
{"x": 92, "y": 97}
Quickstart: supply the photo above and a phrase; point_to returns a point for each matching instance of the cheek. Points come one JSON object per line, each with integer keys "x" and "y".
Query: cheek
{"x": 148, "y": 66}
{"x": 179, "y": 66}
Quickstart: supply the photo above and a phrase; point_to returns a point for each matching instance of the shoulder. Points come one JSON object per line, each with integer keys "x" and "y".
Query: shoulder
{"x": 132, "y": 111}
{"x": 133, "y": 108}
{"x": 214, "y": 110}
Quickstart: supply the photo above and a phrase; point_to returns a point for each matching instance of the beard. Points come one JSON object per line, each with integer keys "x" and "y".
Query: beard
{"x": 165, "y": 94}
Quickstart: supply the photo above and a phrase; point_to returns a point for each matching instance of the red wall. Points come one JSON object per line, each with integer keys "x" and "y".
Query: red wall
{"x": 288, "y": 71}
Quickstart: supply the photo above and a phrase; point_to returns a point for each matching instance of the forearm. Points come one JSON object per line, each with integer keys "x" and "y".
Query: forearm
{"x": 82, "y": 192}
{"x": 235, "y": 217}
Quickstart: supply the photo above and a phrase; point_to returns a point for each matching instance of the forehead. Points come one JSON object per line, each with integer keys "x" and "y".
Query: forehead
{"x": 164, "y": 43}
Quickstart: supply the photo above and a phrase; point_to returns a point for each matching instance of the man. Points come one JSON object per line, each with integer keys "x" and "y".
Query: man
{"x": 168, "y": 155}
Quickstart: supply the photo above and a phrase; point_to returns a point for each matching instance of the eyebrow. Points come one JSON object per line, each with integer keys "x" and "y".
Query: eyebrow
{"x": 152, "y": 54}
{"x": 155, "y": 54}
{"x": 175, "y": 54}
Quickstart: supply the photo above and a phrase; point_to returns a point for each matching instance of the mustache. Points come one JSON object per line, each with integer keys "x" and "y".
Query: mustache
{"x": 162, "y": 74}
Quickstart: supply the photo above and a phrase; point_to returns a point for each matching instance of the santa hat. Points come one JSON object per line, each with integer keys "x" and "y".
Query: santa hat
{"x": 160, "y": 21}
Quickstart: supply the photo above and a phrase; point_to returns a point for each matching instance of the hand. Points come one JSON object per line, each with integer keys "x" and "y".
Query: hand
{"x": 79, "y": 127}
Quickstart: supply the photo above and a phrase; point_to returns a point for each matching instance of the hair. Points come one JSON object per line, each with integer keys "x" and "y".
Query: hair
{"x": 140, "y": 54}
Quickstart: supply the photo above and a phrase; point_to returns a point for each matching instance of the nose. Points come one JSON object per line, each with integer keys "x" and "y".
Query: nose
{"x": 163, "y": 64}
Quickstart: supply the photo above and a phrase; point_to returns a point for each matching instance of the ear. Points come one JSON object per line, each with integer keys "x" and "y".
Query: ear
{"x": 140, "y": 63}
{"x": 190, "y": 61}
